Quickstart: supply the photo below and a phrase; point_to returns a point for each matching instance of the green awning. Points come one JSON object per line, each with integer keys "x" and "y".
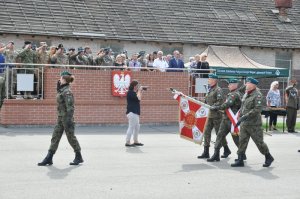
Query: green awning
{"x": 231, "y": 61}
{"x": 247, "y": 72}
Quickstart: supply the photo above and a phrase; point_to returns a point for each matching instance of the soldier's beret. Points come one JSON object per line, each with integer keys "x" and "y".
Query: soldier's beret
{"x": 60, "y": 46}
{"x": 252, "y": 80}
{"x": 213, "y": 76}
{"x": 27, "y": 42}
{"x": 64, "y": 73}
{"x": 11, "y": 42}
{"x": 232, "y": 81}
{"x": 80, "y": 49}
{"x": 72, "y": 49}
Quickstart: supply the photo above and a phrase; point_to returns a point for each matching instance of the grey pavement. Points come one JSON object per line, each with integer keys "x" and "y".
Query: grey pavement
{"x": 166, "y": 167}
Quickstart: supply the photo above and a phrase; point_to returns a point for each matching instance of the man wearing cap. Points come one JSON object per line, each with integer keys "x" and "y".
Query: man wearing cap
{"x": 27, "y": 55}
{"x": 72, "y": 56}
{"x": 65, "y": 120}
{"x": 59, "y": 57}
{"x": 250, "y": 121}
{"x": 292, "y": 105}
{"x": 80, "y": 58}
{"x": 214, "y": 97}
{"x": 231, "y": 105}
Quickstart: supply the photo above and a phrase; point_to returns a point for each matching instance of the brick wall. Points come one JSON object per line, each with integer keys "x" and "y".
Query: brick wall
{"x": 94, "y": 103}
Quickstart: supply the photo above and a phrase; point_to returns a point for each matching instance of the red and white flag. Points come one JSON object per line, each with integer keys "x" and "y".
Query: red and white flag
{"x": 234, "y": 119}
{"x": 192, "y": 119}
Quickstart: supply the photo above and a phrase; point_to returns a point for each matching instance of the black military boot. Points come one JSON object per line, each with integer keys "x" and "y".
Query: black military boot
{"x": 226, "y": 153}
{"x": 78, "y": 159}
{"x": 215, "y": 156}
{"x": 205, "y": 153}
{"x": 239, "y": 162}
{"x": 47, "y": 160}
{"x": 243, "y": 156}
{"x": 269, "y": 160}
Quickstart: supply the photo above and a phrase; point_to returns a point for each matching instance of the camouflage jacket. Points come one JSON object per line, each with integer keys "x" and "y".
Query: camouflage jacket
{"x": 65, "y": 101}
{"x": 42, "y": 57}
{"x": 27, "y": 56}
{"x": 60, "y": 59}
{"x": 233, "y": 101}
{"x": 10, "y": 56}
{"x": 214, "y": 97}
{"x": 251, "y": 108}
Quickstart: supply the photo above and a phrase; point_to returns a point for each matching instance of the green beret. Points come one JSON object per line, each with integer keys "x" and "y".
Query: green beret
{"x": 232, "y": 81}
{"x": 252, "y": 80}
{"x": 212, "y": 76}
{"x": 65, "y": 73}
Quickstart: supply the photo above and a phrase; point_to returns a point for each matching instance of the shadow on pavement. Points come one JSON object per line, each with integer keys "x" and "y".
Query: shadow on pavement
{"x": 59, "y": 174}
{"x": 134, "y": 150}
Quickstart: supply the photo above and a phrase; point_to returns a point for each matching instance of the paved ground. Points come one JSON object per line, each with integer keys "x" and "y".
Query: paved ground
{"x": 166, "y": 167}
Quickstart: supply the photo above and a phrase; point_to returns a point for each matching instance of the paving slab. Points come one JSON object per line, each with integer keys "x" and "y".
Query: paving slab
{"x": 166, "y": 167}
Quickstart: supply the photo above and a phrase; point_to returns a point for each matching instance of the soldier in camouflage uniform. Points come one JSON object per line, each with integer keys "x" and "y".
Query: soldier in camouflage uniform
{"x": 233, "y": 101}
{"x": 65, "y": 120}
{"x": 10, "y": 57}
{"x": 59, "y": 57}
{"x": 213, "y": 97}
{"x": 27, "y": 56}
{"x": 72, "y": 56}
{"x": 250, "y": 120}
{"x": 89, "y": 56}
{"x": 80, "y": 58}
{"x": 291, "y": 95}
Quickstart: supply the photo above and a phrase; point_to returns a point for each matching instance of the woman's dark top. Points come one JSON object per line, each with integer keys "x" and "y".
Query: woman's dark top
{"x": 133, "y": 103}
{"x": 203, "y": 65}
{"x": 119, "y": 65}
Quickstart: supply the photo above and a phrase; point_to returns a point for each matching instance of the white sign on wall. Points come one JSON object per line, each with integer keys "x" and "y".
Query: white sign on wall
{"x": 25, "y": 82}
{"x": 201, "y": 85}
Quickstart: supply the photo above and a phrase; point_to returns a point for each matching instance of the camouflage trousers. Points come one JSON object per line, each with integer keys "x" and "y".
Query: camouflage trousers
{"x": 61, "y": 126}
{"x": 224, "y": 129}
{"x": 210, "y": 124}
{"x": 256, "y": 133}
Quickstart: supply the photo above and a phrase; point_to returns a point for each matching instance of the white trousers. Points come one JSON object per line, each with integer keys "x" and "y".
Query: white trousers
{"x": 133, "y": 127}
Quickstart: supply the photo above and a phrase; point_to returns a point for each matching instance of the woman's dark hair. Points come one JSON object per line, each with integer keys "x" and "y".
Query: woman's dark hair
{"x": 68, "y": 78}
{"x": 149, "y": 58}
{"x": 133, "y": 84}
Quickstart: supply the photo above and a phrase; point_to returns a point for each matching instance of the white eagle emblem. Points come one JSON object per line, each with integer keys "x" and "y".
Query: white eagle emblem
{"x": 121, "y": 83}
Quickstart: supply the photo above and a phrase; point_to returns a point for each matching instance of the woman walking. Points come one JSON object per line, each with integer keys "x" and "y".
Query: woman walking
{"x": 65, "y": 120}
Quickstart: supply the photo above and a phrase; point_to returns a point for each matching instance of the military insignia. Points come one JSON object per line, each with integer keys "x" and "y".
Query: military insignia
{"x": 259, "y": 96}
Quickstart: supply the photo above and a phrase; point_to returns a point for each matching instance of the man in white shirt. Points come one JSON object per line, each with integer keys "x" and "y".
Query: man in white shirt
{"x": 160, "y": 63}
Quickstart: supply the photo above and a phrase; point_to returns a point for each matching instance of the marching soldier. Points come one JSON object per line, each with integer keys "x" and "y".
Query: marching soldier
{"x": 65, "y": 120}
{"x": 232, "y": 105}
{"x": 250, "y": 120}
{"x": 214, "y": 97}
{"x": 291, "y": 95}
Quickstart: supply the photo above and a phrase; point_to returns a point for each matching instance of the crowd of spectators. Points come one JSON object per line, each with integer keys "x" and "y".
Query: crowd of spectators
{"x": 50, "y": 55}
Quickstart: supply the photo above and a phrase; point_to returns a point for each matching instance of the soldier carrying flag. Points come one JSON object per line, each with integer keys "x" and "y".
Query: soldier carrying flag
{"x": 229, "y": 120}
